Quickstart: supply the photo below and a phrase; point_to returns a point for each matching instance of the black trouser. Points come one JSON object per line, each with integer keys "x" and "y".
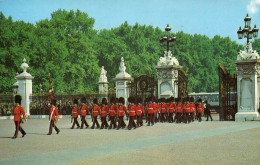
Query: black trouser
{"x": 112, "y": 122}
{"x": 199, "y": 117}
{"x": 139, "y": 121}
{"x": 18, "y": 127}
{"x": 178, "y": 117}
{"x": 52, "y": 124}
{"x": 209, "y": 115}
{"x": 150, "y": 118}
{"x": 75, "y": 121}
{"x": 192, "y": 116}
{"x": 188, "y": 119}
{"x": 95, "y": 122}
{"x": 170, "y": 117}
{"x": 162, "y": 117}
{"x": 131, "y": 122}
{"x": 121, "y": 122}
{"x": 104, "y": 122}
{"x": 83, "y": 121}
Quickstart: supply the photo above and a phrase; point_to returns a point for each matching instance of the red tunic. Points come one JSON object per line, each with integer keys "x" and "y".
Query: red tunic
{"x": 164, "y": 108}
{"x": 121, "y": 110}
{"x": 112, "y": 110}
{"x": 53, "y": 112}
{"x": 133, "y": 110}
{"x": 172, "y": 107}
{"x": 17, "y": 113}
{"x": 200, "y": 108}
{"x": 151, "y": 108}
{"x": 84, "y": 110}
{"x": 187, "y": 108}
{"x": 193, "y": 107}
{"x": 75, "y": 112}
{"x": 96, "y": 110}
{"x": 140, "y": 109}
{"x": 179, "y": 107}
{"x": 104, "y": 111}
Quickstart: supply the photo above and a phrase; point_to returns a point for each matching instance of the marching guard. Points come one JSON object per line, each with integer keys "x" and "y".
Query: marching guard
{"x": 179, "y": 110}
{"x": 75, "y": 112}
{"x": 193, "y": 108}
{"x": 140, "y": 112}
{"x": 112, "y": 113}
{"x": 150, "y": 112}
{"x": 164, "y": 109}
{"x": 84, "y": 110}
{"x": 132, "y": 109}
{"x": 95, "y": 112}
{"x": 200, "y": 109}
{"x": 172, "y": 109}
{"x": 121, "y": 113}
{"x": 18, "y": 110}
{"x": 104, "y": 111}
{"x": 53, "y": 117}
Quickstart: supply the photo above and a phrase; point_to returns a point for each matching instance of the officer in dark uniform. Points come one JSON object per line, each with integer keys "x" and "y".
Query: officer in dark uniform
{"x": 207, "y": 110}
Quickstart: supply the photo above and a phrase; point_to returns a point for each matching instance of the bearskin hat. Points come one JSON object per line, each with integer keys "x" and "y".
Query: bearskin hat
{"x": 131, "y": 99}
{"x": 18, "y": 99}
{"x": 187, "y": 99}
{"x": 95, "y": 101}
{"x": 121, "y": 100}
{"x": 163, "y": 100}
{"x": 116, "y": 100}
{"x": 83, "y": 100}
{"x": 112, "y": 100}
{"x": 171, "y": 99}
{"x": 191, "y": 99}
{"x": 75, "y": 101}
{"x": 199, "y": 100}
{"x": 139, "y": 100}
{"x": 53, "y": 102}
{"x": 104, "y": 101}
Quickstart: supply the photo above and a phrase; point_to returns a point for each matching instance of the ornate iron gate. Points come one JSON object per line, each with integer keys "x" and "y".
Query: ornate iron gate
{"x": 227, "y": 94}
{"x": 182, "y": 83}
{"x": 143, "y": 86}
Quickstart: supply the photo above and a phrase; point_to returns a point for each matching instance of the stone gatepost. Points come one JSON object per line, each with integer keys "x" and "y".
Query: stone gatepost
{"x": 103, "y": 83}
{"x": 25, "y": 87}
{"x": 167, "y": 75}
{"x": 248, "y": 70}
{"x": 122, "y": 79}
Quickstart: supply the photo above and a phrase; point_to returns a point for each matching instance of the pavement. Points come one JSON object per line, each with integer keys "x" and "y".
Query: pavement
{"x": 206, "y": 142}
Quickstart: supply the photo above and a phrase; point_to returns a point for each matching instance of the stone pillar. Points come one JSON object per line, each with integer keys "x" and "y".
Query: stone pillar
{"x": 248, "y": 70}
{"x": 122, "y": 79}
{"x": 25, "y": 87}
{"x": 103, "y": 83}
{"x": 167, "y": 75}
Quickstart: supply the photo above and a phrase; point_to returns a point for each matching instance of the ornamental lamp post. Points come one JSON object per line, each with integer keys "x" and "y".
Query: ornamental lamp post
{"x": 167, "y": 39}
{"x": 247, "y": 32}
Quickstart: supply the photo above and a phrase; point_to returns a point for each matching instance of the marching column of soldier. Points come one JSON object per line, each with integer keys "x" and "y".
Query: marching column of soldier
{"x": 172, "y": 110}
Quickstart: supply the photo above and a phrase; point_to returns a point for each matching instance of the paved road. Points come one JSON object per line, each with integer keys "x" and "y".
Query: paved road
{"x": 164, "y": 143}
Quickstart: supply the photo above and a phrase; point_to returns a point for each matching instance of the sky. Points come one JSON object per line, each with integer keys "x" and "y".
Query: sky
{"x": 206, "y": 17}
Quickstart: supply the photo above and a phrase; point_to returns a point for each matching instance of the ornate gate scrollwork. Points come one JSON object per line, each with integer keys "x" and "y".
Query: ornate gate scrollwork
{"x": 143, "y": 86}
{"x": 227, "y": 94}
{"x": 182, "y": 83}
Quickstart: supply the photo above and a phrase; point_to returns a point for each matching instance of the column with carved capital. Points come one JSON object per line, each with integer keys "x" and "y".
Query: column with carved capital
{"x": 25, "y": 87}
{"x": 248, "y": 71}
{"x": 122, "y": 79}
{"x": 167, "y": 75}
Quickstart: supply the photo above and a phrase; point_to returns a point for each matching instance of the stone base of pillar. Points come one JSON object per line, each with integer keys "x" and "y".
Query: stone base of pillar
{"x": 246, "y": 116}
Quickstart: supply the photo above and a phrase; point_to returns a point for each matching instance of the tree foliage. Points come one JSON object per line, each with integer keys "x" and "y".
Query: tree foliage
{"x": 68, "y": 47}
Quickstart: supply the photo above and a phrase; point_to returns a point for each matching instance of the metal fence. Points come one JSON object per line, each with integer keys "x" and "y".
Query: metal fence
{"x": 39, "y": 104}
